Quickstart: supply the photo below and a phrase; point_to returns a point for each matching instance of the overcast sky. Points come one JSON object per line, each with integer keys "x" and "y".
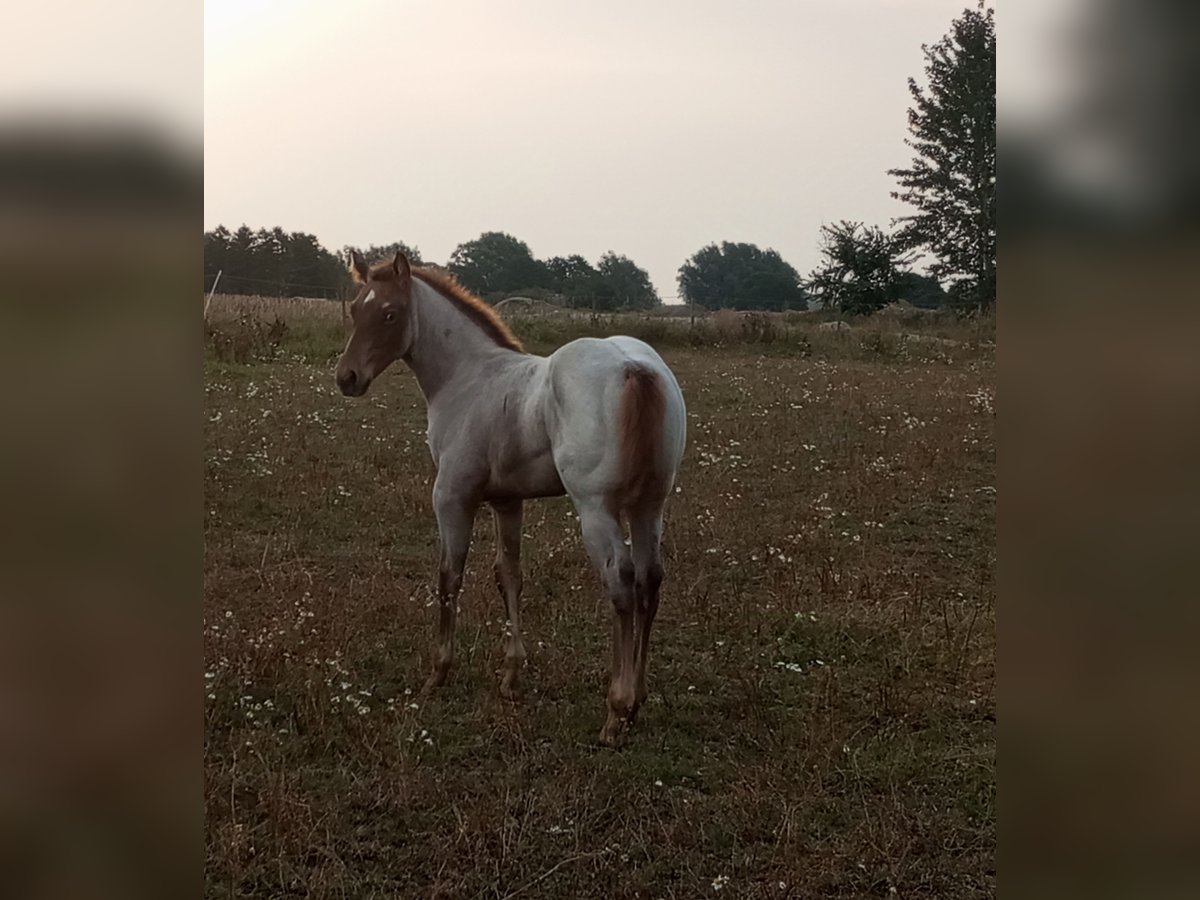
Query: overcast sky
{"x": 649, "y": 129}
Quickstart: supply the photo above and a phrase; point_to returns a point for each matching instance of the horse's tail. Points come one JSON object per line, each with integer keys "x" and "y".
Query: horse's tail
{"x": 640, "y": 434}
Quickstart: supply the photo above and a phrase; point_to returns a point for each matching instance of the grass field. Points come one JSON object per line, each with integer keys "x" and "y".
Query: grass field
{"x": 821, "y": 720}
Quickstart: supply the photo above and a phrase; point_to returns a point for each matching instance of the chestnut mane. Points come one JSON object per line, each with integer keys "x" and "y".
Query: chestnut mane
{"x": 476, "y": 309}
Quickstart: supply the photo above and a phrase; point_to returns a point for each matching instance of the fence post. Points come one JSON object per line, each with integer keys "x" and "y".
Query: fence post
{"x": 210, "y": 294}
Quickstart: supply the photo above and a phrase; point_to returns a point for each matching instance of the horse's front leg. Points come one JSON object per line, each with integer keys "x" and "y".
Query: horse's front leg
{"x": 508, "y": 580}
{"x": 455, "y": 516}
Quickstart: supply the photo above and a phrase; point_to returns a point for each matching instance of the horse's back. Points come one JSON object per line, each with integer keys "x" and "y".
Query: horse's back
{"x": 588, "y": 383}
{"x": 606, "y": 357}
{"x": 588, "y": 375}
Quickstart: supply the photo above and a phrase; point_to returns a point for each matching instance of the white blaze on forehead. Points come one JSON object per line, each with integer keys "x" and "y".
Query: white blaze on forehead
{"x": 370, "y": 296}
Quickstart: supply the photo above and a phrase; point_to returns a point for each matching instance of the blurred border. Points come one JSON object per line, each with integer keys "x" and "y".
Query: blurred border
{"x": 1099, "y": 162}
{"x": 101, "y": 110}
{"x": 100, "y": 223}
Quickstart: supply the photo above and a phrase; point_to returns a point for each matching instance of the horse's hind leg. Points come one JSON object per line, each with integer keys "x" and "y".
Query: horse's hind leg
{"x": 508, "y": 579}
{"x": 605, "y": 543}
{"x": 645, "y": 532}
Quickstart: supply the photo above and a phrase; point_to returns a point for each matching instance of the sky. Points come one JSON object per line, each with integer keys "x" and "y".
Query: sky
{"x": 647, "y": 129}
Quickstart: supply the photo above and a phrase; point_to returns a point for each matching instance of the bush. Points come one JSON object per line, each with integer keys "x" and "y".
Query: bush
{"x": 758, "y": 328}
{"x": 880, "y": 345}
{"x": 245, "y": 339}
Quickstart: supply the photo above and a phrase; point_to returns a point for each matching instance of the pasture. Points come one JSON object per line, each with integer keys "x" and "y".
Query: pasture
{"x": 821, "y": 718}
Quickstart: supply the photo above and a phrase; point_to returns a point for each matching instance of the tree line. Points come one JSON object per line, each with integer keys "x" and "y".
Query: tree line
{"x": 951, "y": 185}
{"x": 272, "y": 262}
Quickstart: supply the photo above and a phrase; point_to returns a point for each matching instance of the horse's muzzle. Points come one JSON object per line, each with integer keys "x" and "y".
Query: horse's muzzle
{"x": 351, "y": 383}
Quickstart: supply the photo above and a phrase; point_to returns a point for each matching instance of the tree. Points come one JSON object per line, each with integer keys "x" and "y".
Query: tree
{"x": 628, "y": 283}
{"x": 952, "y": 180}
{"x": 309, "y": 268}
{"x": 377, "y": 252}
{"x": 922, "y": 291}
{"x": 496, "y": 262}
{"x": 216, "y": 248}
{"x": 860, "y": 269}
{"x": 574, "y": 279}
{"x": 271, "y": 262}
{"x": 243, "y": 267}
{"x": 562, "y": 269}
{"x": 740, "y": 276}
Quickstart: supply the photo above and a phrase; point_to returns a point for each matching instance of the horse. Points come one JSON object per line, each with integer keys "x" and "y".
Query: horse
{"x": 600, "y": 420}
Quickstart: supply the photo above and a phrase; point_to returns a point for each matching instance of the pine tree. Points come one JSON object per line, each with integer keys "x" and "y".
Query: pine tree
{"x": 952, "y": 181}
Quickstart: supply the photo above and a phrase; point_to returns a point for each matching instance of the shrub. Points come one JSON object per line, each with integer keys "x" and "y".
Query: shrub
{"x": 246, "y": 338}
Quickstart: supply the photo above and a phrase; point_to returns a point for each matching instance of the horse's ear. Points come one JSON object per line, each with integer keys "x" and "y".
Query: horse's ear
{"x": 358, "y": 266}
{"x": 400, "y": 266}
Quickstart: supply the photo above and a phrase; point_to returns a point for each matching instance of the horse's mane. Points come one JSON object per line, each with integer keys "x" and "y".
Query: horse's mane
{"x": 475, "y": 308}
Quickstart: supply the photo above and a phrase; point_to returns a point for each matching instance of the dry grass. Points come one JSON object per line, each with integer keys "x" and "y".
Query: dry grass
{"x": 291, "y": 310}
{"x": 317, "y": 330}
{"x": 822, "y": 710}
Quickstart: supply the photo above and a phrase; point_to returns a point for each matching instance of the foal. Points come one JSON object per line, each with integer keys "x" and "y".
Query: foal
{"x": 600, "y": 420}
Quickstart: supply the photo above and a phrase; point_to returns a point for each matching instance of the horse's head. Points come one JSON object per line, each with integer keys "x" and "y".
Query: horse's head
{"x": 381, "y": 332}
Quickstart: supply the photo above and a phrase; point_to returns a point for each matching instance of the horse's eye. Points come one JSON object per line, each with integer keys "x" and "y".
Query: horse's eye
{"x": 389, "y": 316}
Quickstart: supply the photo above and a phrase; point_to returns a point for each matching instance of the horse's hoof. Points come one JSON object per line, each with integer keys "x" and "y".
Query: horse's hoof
{"x": 612, "y": 735}
{"x": 510, "y": 692}
{"x": 436, "y": 680}
{"x": 639, "y": 699}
